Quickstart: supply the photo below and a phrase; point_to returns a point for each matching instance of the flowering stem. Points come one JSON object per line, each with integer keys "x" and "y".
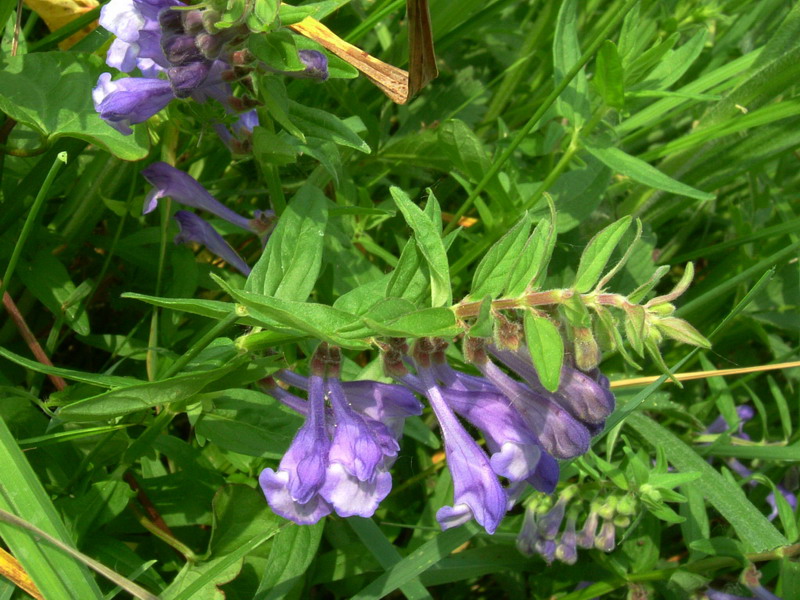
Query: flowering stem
{"x": 549, "y": 297}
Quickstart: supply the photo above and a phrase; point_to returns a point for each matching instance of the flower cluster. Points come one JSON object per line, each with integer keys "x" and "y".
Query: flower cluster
{"x": 180, "y": 54}
{"x": 541, "y": 528}
{"x": 525, "y": 427}
{"x": 340, "y": 458}
{"x": 167, "y": 181}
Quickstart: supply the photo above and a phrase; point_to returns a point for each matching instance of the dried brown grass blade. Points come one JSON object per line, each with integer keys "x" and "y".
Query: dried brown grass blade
{"x": 11, "y": 569}
{"x": 399, "y": 85}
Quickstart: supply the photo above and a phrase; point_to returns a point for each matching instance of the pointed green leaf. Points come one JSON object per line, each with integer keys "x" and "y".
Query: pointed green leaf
{"x": 597, "y": 253}
{"x": 546, "y": 348}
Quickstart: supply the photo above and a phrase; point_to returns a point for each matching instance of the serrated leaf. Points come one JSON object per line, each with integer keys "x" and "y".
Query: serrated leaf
{"x": 492, "y": 272}
{"x": 597, "y": 253}
{"x": 546, "y": 348}
{"x": 30, "y": 82}
{"x": 430, "y": 245}
{"x": 291, "y": 261}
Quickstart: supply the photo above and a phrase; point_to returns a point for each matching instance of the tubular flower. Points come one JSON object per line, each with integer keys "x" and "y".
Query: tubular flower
{"x": 164, "y": 45}
{"x": 478, "y": 493}
{"x": 354, "y": 450}
{"x": 196, "y": 229}
{"x": 183, "y": 188}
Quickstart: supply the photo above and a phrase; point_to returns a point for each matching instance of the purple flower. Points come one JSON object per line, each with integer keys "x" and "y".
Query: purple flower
{"x": 478, "y": 493}
{"x": 183, "y": 188}
{"x": 124, "y": 102}
{"x": 196, "y": 229}
{"x": 239, "y": 138}
{"x": 293, "y": 491}
{"x": 586, "y": 398}
{"x": 560, "y": 434}
{"x": 316, "y": 64}
{"x": 162, "y": 44}
{"x": 136, "y": 25}
{"x": 358, "y": 449}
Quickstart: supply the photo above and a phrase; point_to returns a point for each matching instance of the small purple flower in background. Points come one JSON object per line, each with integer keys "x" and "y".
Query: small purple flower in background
{"x": 125, "y": 102}
{"x": 352, "y": 449}
{"x": 196, "y": 229}
{"x": 316, "y": 64}
{"x": 177, "y": 58}
{"x": 744, "y": 414}
{"x": 239, "y": 138}
{"x": 183, "y": 188}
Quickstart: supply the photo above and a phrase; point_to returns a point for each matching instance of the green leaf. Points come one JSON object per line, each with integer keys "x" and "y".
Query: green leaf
{"x": 610, "y": 75}
{"x": 98, "y": 379}
{"x": 597, "y": 253}
{"x": 463, "y": 147}
{"x": 418, "y": 561}
{"x": 640, "y": 171}
{"x": 530, "y": 268}
{"x": 293, "y": 549}
{"x": 321, "y": 124}
{"x": 242, "y": 523}
{"x": 320, "y": 321}
{"x": 428, "y": 322}
{"x": 47, "y": 278}
{"x": 546, "y": 348}
{"x": 430, "y": 245}
{"x": 21, "y": 493}
{"x": 675, "y": 63}
{"x": 573, "y": 103}
{"x": 290, "y": 263}
{"x": 247, "y": 422}
{"x": 409, "y": 279}
{"x": 30, "y": 82}
{"x": 122, "y": 401}
{"x": 491, "y": 275}
{"x": 752, "y": 527}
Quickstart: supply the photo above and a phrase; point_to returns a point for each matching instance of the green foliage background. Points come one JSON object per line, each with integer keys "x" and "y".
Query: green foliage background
{"x": 681, "y": 113}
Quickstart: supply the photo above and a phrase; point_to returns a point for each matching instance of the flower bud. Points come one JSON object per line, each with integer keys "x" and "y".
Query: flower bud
{"x": 209, "y": 45}
{"x": 664, "y": 309}
{"x": 587, "y": 352}
{"x": 192, "y": 21}
{"x": 606, "y": 539}
{"x": 627, "y": 505}
{"x": 608, "y": 509}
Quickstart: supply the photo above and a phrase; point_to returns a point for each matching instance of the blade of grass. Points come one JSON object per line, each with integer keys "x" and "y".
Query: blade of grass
{"x": 21, "y": 493}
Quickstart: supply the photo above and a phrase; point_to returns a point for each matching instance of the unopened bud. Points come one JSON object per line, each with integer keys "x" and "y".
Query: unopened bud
{"x": 608, "y": 508}
{"x": 210, "y": 19}
{"x": 587, "y": 352}
{"x": 664, "y": 309}
{"x": 606, "y": 539}
{"x": 475, "y": 350}
{"x": 627, "y": 505}
{"x": 192, "y": 21}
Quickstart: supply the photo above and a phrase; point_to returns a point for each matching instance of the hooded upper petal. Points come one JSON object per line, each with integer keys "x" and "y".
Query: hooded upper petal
{"x": 130, "y": 100}
{"x": 196, "y": 229}
{"x": 183, "y": 188}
